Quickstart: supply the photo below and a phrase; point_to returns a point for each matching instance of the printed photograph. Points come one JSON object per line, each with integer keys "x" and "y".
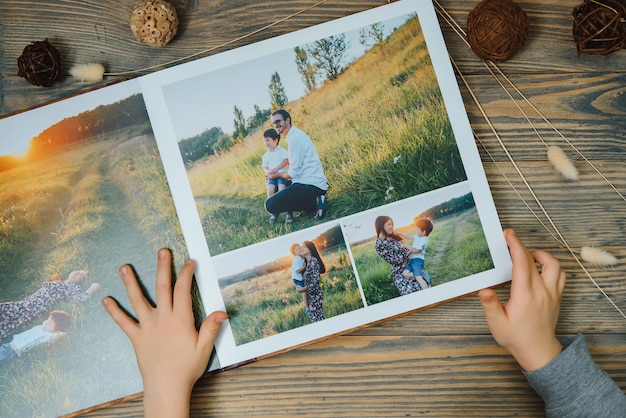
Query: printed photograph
{"x": 314, "y": 133}
{"x": 417, "y": 244}
{"x": 82, "y": 191}
{"x": 287, "y": 283}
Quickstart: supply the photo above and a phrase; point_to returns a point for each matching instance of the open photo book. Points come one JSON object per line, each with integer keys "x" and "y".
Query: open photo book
{"x": 188, "y": 158}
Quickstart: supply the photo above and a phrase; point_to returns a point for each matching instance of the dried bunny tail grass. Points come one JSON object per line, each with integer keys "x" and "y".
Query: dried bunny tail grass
{"x": 88, "y": 72}
{"x": 562, "y": 163}
{"x": 597, "y": 257}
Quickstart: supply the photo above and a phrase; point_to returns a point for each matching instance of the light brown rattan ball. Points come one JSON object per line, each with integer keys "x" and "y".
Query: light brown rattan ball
{"x": 599, "y": 26}
{"x": 154, "y": 22}
{"x": 497, "y": 29}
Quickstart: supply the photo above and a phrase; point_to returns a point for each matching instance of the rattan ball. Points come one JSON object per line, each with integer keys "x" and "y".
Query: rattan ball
{"x": 497, "y": 29}
{"x": 154, "y": 22}
{"x": 599, "y": 26}
{"x": 40, "y": 63}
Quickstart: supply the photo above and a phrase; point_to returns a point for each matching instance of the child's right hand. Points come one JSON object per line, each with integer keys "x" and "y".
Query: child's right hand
{"x": 171, "y": 353}
{"x": 525, "y": 325}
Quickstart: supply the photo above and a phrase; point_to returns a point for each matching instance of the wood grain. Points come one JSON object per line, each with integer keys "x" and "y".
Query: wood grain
{"x": 442, "y": 361}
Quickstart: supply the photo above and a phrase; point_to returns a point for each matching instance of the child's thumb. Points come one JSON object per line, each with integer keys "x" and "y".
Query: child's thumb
{"x": 491, "y": 305}
{"x": 210, "y": 328}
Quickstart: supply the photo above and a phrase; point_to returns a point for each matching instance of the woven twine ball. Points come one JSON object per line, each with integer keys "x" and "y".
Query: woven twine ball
{"x": 599, "y": 26}
{"x": 40, "y": 63}
{"x": 154, "y": 22}
{"x": 497, "y": 29}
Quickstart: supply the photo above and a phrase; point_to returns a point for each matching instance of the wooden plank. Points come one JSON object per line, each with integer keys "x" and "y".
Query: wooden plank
{"x": 442, "y": 361}
{"x": 352, "y": 376}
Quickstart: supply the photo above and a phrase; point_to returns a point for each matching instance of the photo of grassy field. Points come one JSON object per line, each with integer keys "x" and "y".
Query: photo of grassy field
{"x": 380, "y": 127}
{"x": 457, "y": 248}
{"x": 89, "y": 194}
{"x": 262, "y": 301}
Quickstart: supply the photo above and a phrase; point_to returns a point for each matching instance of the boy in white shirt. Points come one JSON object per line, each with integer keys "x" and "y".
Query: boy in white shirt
{"x": 53, "y": 328}
{"x": 275, "y": 161}
{"x": 297, "y": 268}
{"x": 424, "y": 227}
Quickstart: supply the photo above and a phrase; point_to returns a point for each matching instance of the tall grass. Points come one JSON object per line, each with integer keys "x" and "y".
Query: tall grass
{"x": 94, "y": 207}
{"x": 382, "y": 133}
{"x": 269, "y": 304}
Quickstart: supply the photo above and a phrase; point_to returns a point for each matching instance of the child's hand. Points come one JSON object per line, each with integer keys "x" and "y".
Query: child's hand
{"x": 171, "y": 354}
{"x": 525, "y": 325}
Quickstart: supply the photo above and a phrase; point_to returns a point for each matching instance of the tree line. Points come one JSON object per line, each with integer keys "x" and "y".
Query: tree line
{"x": 316, "y": 62}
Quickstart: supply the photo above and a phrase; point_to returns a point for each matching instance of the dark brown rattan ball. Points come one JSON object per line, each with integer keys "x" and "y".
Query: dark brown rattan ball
{"x": 40, "y": 63}
{"x": 497, "y": 29}
{"x": 599, "y": 26}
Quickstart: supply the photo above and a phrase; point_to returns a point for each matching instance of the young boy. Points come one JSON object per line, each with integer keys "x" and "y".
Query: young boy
{"x": 424, "y": 227}
{"x": 53, "y": 328}
{"x": 275, "y": 161}
{"x": 297, "y": 267}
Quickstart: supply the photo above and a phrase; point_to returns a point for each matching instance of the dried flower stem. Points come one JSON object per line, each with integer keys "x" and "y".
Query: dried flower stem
{"x": 463, "y": 36}
{"x": 556, "y": 234}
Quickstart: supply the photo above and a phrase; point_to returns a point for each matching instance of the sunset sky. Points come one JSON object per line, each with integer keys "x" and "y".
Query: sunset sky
{"x": 17, "y": 131}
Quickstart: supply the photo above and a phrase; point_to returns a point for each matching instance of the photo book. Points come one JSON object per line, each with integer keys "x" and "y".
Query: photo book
{"x": 186, "y": 158}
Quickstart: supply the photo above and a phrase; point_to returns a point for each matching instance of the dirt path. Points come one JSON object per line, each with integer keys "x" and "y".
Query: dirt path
{"x": 120, "y": 240}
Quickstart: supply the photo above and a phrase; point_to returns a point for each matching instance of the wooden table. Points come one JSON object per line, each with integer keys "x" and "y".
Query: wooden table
{"x": 443, "y": 361}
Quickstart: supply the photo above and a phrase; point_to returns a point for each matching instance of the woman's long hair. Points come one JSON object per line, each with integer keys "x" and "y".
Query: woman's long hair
{"x": 316, "y": 254}
{"x": 379, "y": 224}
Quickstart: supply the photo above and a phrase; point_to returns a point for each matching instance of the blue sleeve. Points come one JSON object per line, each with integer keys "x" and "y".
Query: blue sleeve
{"x": 572, "y": 385}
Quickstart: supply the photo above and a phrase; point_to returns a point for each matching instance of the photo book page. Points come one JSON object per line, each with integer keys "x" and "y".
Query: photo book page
{"x": 323, "y": 180}
{"x": 377, "y": 98}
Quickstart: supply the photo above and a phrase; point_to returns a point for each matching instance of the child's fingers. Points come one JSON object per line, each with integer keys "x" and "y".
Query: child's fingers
{"x": 164, "y": 280}
{"x": 209, "y": 330}
{"x": 550, "y": 270}
{"x": 182, "y": 289}
{"x": 494, "y": 311}
{"x": 140, "y": 304}
{"x": 522, "y": 262}
{"x": 126, "y": 323}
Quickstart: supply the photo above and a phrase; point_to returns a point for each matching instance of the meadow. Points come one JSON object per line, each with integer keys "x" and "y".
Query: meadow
{"x": 456, "y": 248}
{"x": 92, "y": 207}
{"x": 269, "y": 304}
{"x": 381, "y": 130}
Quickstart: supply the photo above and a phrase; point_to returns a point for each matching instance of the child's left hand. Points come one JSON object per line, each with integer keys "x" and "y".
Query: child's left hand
{"x": 171, "y": 354}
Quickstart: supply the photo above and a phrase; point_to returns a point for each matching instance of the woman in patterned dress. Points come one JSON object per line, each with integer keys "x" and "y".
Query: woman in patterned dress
{"x": 14, "y": 315}
{"x": 390, "y": 247}
{"x": 311, "y": 274}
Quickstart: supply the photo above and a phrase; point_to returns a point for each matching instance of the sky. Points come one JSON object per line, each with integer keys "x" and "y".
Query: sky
{"x": 202, "y": 102}
{"x": 17, "y": 131}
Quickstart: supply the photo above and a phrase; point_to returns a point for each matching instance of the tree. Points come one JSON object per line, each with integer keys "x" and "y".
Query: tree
{"x": 239, "y": 122}
{"x": 259, "y": 118}
{"x": 278, "y": 97}
{"x": 372, "y": 35}
{"x": 328, "y": 55}
{"x": 305, "y": 68}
